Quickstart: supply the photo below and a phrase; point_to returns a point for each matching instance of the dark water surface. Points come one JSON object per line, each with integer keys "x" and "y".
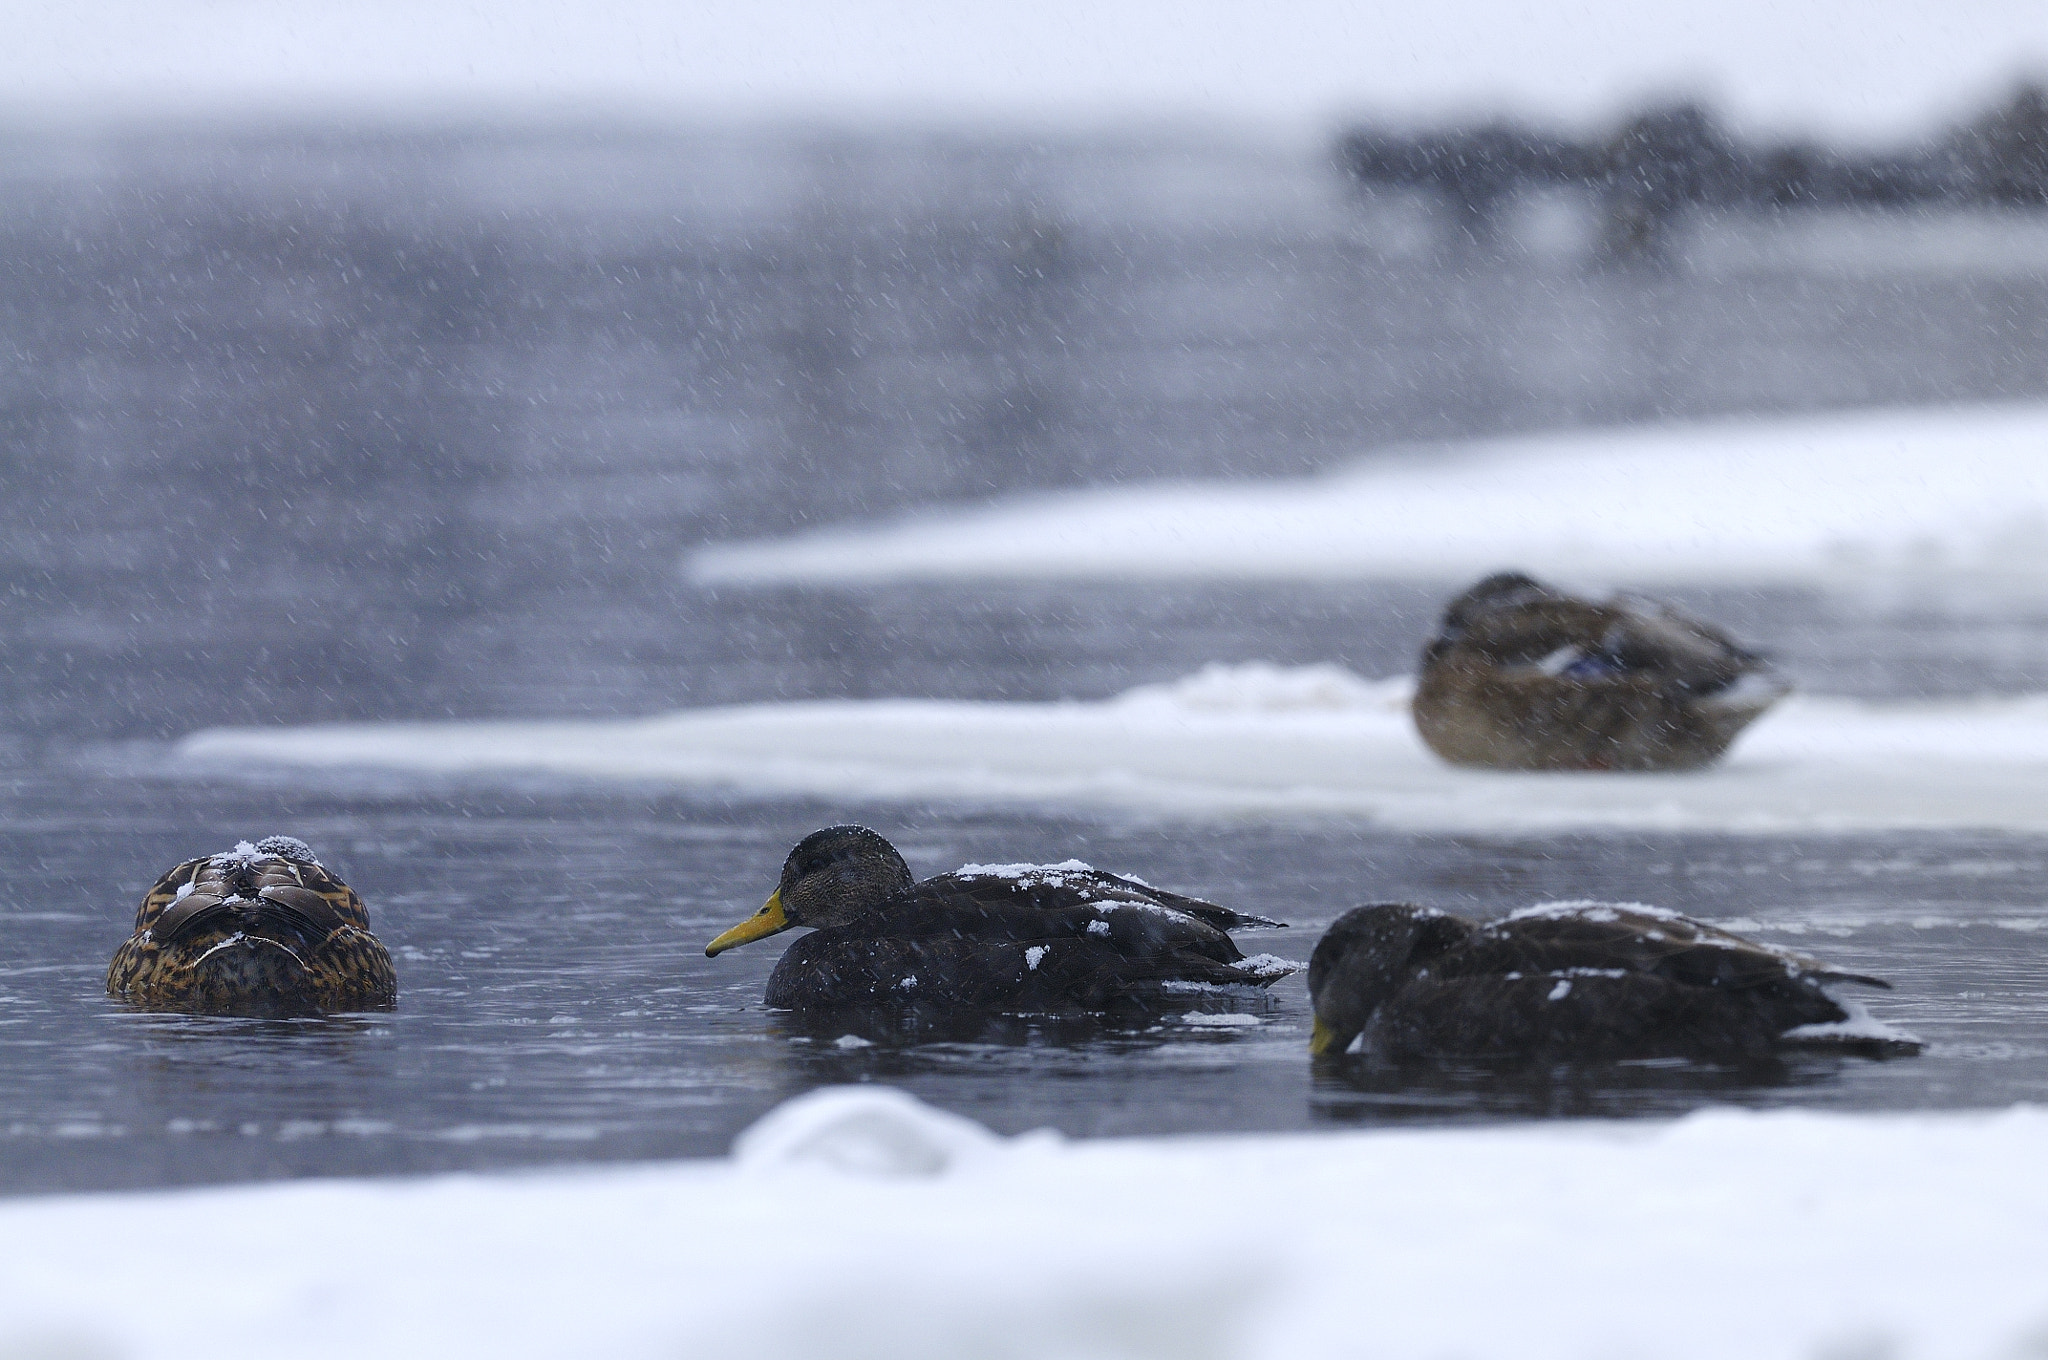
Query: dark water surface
{"x": 312, "y": 427}
{"x": 556, "y": 1005}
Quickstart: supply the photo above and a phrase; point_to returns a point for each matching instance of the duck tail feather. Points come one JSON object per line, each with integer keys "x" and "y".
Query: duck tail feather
{"x": 1223, "y": 918}
{"x": 1860, "y": 979}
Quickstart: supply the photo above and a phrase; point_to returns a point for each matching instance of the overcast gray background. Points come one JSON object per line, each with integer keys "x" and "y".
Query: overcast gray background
{"x": 1848, "y": 66}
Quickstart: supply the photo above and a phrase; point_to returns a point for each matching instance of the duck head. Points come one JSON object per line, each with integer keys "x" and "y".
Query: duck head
{"x": 1366, "y": 956}
{"x": 831, "y": 877}
{"x": 1501, "y": 590}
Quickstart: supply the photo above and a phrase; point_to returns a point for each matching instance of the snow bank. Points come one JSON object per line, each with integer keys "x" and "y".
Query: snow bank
{"x": 1814, "y": 499}
{"x": 870, "y": 1130}
{"x": 1244, "y": 741}
{"x": 1782, "y": 1236}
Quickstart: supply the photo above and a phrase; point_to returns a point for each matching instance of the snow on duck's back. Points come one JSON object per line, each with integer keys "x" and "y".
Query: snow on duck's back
{"x": 260, "y": 929}
{"x": 1056, "y": 935}
{"x": 1571, "y": 982}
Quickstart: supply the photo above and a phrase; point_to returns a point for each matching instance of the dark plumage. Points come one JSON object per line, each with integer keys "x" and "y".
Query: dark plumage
{"x": 1562, "y": 982}
{"x": 1523, "y": 677}
{"x": 260, "y": 930}
{"x": 1035, "y": 937}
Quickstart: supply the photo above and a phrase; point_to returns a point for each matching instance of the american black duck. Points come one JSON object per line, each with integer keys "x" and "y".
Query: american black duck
{"x": 1020, "y": 936}
{"x": 1523, "y": 677}
{"x": 260, "y": 930}
{"x": 1569, "y": 981}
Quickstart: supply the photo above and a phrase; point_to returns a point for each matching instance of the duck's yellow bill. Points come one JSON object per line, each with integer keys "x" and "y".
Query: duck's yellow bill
{"x": 1323, "y": 1040}
{"x": 767, "y": 921}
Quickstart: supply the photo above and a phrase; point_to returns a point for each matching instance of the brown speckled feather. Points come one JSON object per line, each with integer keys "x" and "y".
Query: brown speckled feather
{"x": 1522, "y": 677}
{"x": 251, "y": 932}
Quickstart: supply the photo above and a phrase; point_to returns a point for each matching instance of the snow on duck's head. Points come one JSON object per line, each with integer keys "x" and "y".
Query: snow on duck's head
{"x": 270, "y": 847}
{"x": 287, "y": 847}
{"x": 829, "y": 878}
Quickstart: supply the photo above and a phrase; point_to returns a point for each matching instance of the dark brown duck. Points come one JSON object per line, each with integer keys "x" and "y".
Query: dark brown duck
{"x": 1523, "y": 677}
{"x": 261, "y": 930}
{"x": 1018, "y": 937}
{"x": 1570, "y": 981}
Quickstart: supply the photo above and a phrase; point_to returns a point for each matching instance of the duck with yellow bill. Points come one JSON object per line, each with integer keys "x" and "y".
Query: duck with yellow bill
{"x": 1572, "y": 981}
{"x": 1014, "y": 937}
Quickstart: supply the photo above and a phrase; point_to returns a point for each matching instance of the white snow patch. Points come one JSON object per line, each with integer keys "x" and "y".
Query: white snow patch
{"x": 1024, "y": 871}
{"x": 243, "y": 853}
{"x": 1226, "y": 1020}
{"x": 1816, "y": 499}
{"x": 870, "y": 1130}
{"x": 1861, "y": 1024}
{"x": 852, "y": 1041}
{"x": 1270, "y": 965}
{"x": 1812, "y": 764}
{"x": 1261, "y": 687}
{"x": 1033, "y": 957}
{"x": 1126, "y": 904}
{"x": 919, "y": 1236}
{"x": 1592, "y": 910}
{"x": 1755, "y": 690}
{"x": 1098, "y": 927}
{"x": 1562, "y": 990}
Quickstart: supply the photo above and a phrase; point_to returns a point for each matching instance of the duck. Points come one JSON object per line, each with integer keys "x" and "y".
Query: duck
{"x": 1520, "y": 676}
{"x": 1038, "y": 937}
{"x": 1565, "y": 981}
{"x": 262, "y": 929}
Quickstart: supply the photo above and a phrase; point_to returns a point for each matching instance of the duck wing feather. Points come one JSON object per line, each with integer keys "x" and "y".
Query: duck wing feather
{"x": 1595, "y": 1016}
{"x": 1038, "y": 906}
{"x": 1628, "y": 636}
{"x": 1648, "y": 635}
{"x": 1630, "y": 939}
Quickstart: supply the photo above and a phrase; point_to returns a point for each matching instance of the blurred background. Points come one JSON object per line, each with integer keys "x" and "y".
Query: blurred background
{"x": 385, "y": 361}
{"x": 389, "y": 360}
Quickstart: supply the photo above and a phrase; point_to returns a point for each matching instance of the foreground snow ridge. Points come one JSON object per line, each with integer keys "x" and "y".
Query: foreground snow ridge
{"x": 1806, "y": 500}
{"x": 858, "y": 1223}
{"x": 1243, "y": 741}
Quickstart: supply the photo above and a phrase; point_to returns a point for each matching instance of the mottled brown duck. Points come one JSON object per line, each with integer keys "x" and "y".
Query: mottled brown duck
{"x": 1572, "y": 981}
{"x": 1523, "y": 677}
{"x": 1035, "y": 937}
{"x": 263, "y": 929}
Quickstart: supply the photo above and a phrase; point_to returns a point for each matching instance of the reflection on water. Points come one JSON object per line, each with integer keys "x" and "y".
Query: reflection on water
{"x": 1355, "y": 1092}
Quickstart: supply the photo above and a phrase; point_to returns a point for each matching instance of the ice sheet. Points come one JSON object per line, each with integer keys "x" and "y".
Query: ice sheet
{"x": 1781, "y": 1236}
{"x": 1188, "y": 749}
{"x": 1914, "y": 494}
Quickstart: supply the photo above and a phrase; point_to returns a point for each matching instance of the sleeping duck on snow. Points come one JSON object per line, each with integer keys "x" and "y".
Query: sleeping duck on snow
{"x": 1015, "y": 937}
{"x": 1523, "y": 677}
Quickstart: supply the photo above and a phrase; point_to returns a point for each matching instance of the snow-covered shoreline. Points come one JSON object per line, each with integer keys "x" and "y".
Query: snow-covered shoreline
{"x": 1912, "y": 494}
{"x": 857, "y": 1224}
{"x": 1235, "y": 742}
